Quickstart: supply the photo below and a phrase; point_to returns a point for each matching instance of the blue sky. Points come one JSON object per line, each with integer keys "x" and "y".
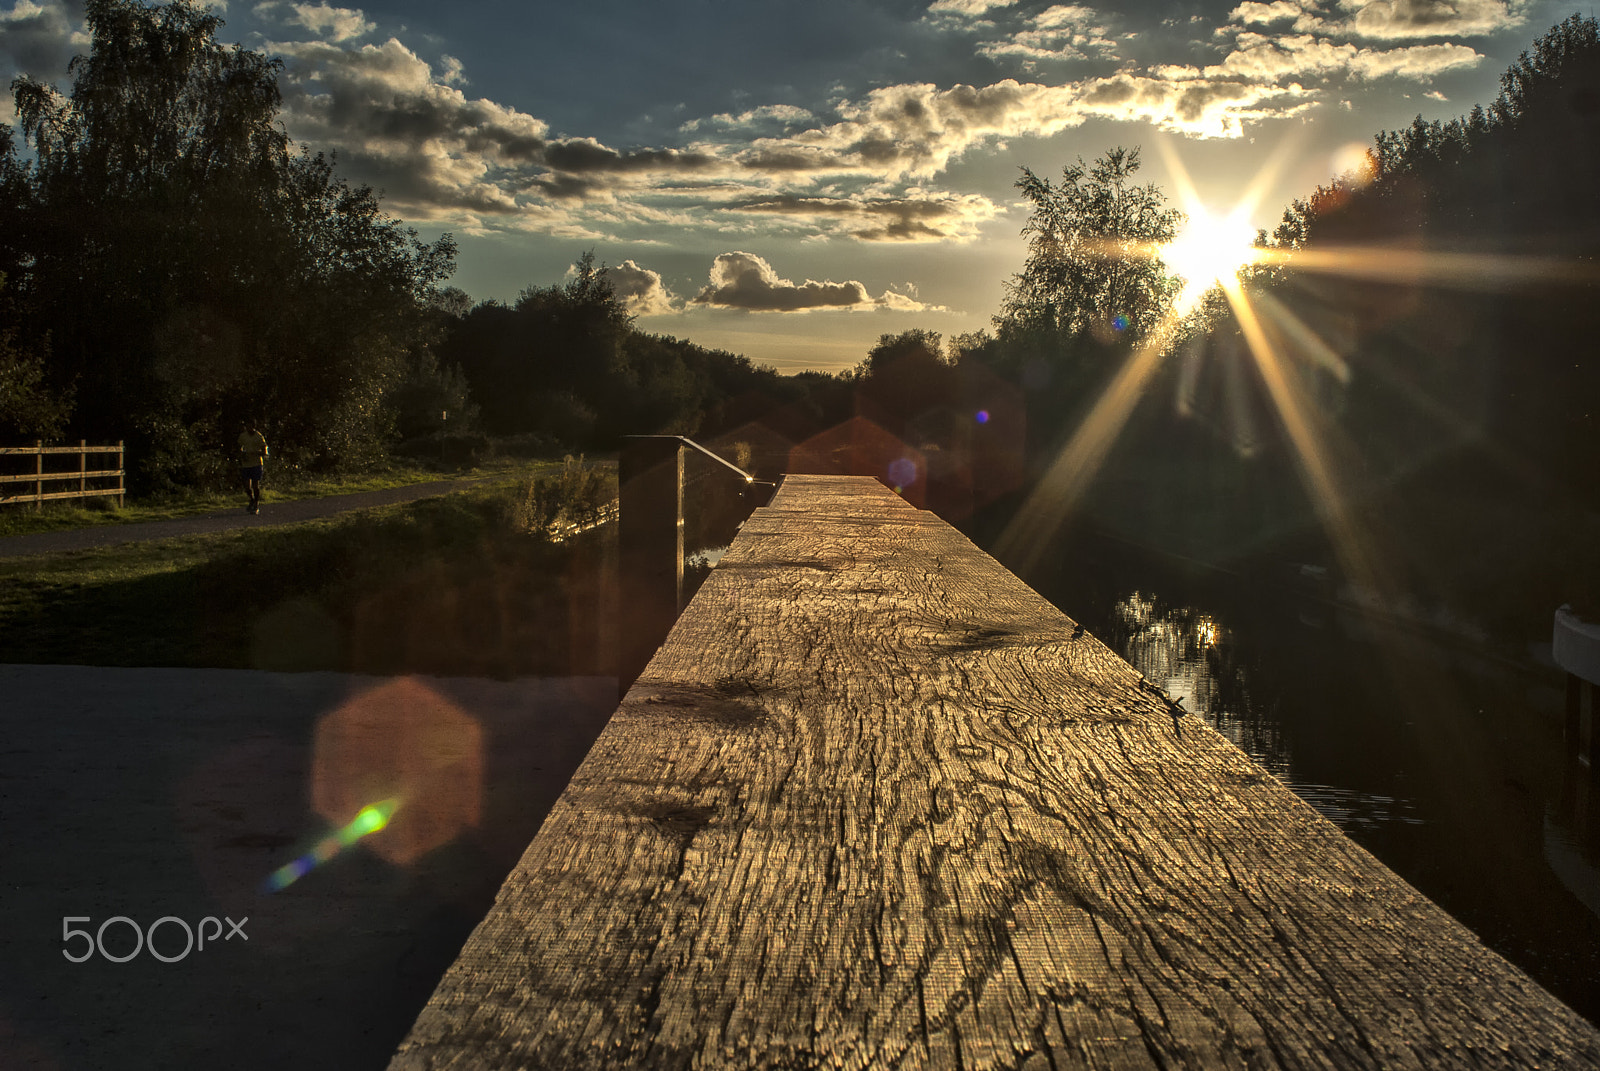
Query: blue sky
{"x": 790, "y": 180}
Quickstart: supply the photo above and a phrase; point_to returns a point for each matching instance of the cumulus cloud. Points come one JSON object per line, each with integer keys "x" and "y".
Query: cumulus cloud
{"x": 1252, "y": 12}
{"x": 327, "y": 22}
{"x": 746, "y": 281}
{"x": 917, "y": 129}
{"x": 877, "y": 219}
{"x": 40, "y": 39}
{"x": 407, "y": 127}
{"x": 971, "y": 8}
{"x": 1419, "y": 62}
{"x": 1201, "y": 107}
{"x": 1258, "y": 58}
{"x": 1433, "y": 18}
{"x": 1062, "y": 32}
{"x": 401, "y": 128}
{"x": 769, "y": 118}
{"x": 641, "y": 290}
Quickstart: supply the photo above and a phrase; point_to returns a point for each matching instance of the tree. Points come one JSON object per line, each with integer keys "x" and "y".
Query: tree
{"x": 28, "y": 406}
{"x": 190, "y": 269}
{"x": 1090, "y": 241}
{"x": 904, "y": 377}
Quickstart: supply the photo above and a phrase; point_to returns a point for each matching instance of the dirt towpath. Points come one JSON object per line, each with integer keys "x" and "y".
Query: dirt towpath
{"x": 272, "y": 514}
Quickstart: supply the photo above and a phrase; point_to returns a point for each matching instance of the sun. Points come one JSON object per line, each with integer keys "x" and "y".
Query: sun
{"x": 1208, "y": 252}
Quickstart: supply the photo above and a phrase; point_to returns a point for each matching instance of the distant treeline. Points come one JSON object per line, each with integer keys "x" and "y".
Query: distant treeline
{"x": 563, "y": 367}
{"x": 171, "y": 265}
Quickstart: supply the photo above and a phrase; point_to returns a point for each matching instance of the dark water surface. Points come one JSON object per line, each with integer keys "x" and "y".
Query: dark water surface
{"x": 1442, "y": 758}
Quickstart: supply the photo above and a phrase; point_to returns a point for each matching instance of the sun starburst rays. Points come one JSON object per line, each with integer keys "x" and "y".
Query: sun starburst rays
{"x": 1287, "y": 354}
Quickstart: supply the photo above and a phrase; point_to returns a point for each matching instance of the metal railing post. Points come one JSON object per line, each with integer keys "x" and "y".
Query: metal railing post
{"x": 650, "y": 539}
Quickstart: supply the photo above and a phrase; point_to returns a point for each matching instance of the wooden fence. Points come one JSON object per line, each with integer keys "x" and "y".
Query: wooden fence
{"x": 82, "y": 475}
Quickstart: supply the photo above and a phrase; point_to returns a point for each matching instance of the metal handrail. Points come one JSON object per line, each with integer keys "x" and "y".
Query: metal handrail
{"x": 741, "y": 473}
{"x": 650, "y": 477}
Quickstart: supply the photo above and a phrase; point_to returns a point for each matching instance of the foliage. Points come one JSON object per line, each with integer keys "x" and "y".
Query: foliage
{"x": 905, "y": 377}
{"x": 1089, "y": 251}
{"x": 566, "y": 362}
{"x": 28, "y": 406}
{"x": 1473, "y": 395}
{"x": 576, "y": 498}
{"x": 233, "y": 277}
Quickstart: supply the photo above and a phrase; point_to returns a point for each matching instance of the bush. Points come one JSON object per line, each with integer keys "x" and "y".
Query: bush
{"x": 468, "y": 448}
{"x": 577, "y": 497}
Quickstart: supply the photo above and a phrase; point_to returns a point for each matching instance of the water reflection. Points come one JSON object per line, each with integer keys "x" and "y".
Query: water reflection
{"x": 1195, "y": 658}
{"x": 1442, "y": 758}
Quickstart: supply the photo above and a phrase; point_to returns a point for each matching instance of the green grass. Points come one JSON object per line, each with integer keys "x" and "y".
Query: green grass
{"x": 447, "y": 585}
{"x": 21, "y": 518}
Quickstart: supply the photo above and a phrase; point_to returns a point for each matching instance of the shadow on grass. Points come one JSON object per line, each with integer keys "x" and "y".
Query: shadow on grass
{"x": 442, "y": 586}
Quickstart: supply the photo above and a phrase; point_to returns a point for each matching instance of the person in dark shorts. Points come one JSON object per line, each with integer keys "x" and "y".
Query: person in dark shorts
{"x": 252, "y": 463}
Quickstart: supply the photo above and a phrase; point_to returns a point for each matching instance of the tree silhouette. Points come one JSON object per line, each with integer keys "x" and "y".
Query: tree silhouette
{"x": 189, "y": 268}
{"x": 1090, "y": 241}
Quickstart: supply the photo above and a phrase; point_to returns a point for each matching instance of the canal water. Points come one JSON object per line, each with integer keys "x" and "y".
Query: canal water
{"x": 1441, "y": 757}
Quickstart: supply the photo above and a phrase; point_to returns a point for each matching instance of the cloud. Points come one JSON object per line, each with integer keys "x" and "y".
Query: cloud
{"x": 877, "y": 219}
{"x": 641, "y": 290}
{"x": 970, "y": 8}
{"x": 329, "y": 23}
{"x": 399, "y": 127}
{"x": 1419, "y": 62}
{"x": 1433, "y": 18}
{"x": 1199, "y": 108}
{"x": 1251, "y": 12}
{"x": 916, "y": 129}
{"x": 769, "y": 119}
{"x": 1062, "y": 32}
{"x": 1257, "y": 58}
{"x": 746, "y": 281}
{"x": 40, "y": 39}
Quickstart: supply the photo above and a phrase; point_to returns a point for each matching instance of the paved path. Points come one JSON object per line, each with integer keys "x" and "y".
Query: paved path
{"x": 272, "y": 514}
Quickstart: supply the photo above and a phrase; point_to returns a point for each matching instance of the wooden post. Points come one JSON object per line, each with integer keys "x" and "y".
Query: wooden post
{"x": 83, "y": 466}
{"x": 650, "y": 535}
{"x": 1573, "y": 727}
{"x": 120, "y": 486}
{"x": 38, "y": 470}
{"x": 1583, "y": 701}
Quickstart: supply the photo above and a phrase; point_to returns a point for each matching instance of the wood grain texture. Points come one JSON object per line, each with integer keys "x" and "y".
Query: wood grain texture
{"x": 873, "y": 805}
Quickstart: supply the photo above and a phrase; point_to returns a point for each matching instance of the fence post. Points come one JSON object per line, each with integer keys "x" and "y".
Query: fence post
{"x": 38, "y": 471}
{"x": 120, "y": 489}
{"x": 83, "y": 466}
{"x": 650, "y": 538}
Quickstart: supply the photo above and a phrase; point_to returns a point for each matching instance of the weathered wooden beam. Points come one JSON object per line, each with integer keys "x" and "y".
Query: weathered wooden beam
{"x": 875, "y": 803}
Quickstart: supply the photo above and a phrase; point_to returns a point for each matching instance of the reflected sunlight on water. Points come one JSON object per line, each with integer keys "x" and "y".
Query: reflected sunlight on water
{"x": 1442, "y": 758}
{"x": 1194, "y": 658}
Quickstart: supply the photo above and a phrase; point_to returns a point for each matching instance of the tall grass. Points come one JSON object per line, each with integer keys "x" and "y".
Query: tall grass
{"x": 575, "y": 498}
